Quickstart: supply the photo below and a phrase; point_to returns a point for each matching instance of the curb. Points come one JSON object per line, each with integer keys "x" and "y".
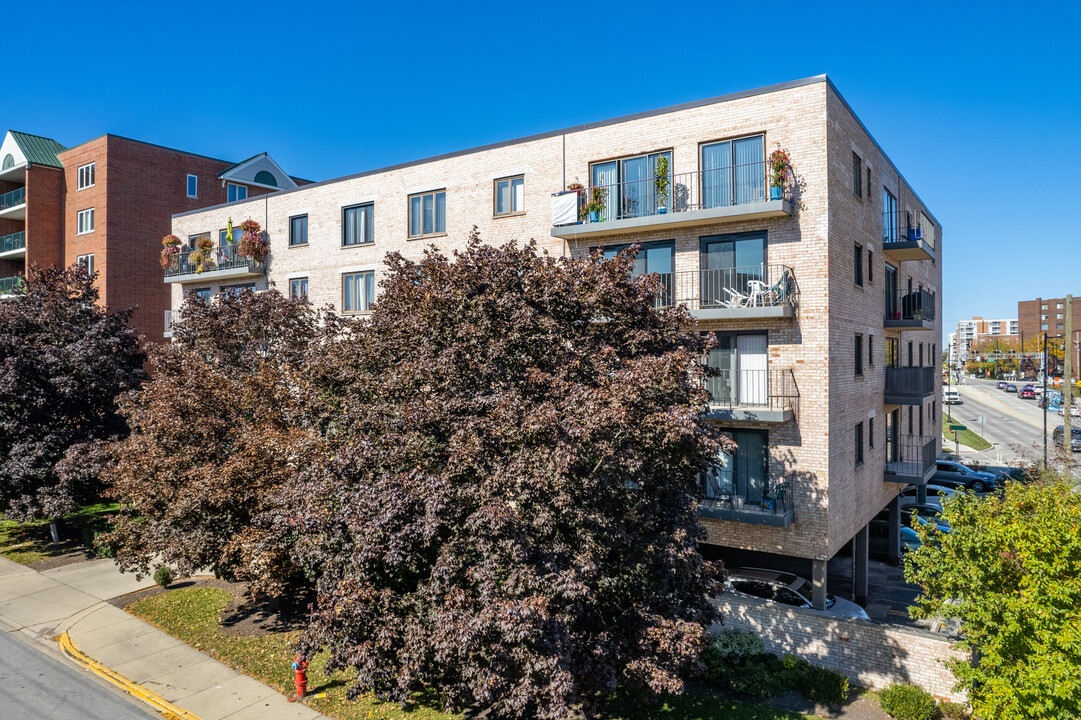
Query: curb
{"x": 166, "y": 708}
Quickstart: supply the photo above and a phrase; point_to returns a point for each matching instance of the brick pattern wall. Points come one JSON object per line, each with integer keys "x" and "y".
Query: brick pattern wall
{"x": 44, "y": 215}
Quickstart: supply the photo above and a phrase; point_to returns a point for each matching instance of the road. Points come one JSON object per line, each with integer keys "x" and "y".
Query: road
{"x": 38, "y": 687}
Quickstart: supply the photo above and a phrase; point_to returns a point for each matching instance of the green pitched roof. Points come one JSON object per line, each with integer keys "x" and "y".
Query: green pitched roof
{"x": 39, "y": 150}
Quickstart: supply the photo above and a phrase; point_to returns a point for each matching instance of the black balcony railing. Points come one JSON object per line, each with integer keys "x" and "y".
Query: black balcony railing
{"x": 748, "y": 492}
{"x": 910, "y": 382}
{"x": 14, "y": 241}
{"x": 224, "y": 257}
{"x": 899, "y": 227}
{"x": 10, "y": 285}
{"x": 910, "y": 455}
{"x": 13, "y": 198}
{"x": 914, "y": 305}
{"x": 771, "y": 389}
{"x": 754, "y": 286}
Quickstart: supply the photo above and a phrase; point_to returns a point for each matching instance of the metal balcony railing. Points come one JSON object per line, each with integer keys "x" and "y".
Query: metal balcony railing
{"x": 771, "y": 389}
{"x": 13, "y": 198}
{"x": 900, "y": 227}
{"x": 914, "y": 305}
{"x": 702, "y": 190}
{"x": 10, "y": 285}
{"x": 224, "y": 257}
{"x": 910, "y": 455}
{"x": 912, "y": 382}
{"x": 743, "y": 287}
{"x": 749, "y": 492}
{"x": 14, "y": 241}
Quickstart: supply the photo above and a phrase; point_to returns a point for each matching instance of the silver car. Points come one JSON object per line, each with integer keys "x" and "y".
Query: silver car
{"x": 786, "y": 589}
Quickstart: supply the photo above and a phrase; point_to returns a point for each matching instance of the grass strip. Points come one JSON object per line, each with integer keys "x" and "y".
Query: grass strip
{"x": 967, "y": 437}
{"x": 191, "y": 615}
{"x": 30, "y": 541}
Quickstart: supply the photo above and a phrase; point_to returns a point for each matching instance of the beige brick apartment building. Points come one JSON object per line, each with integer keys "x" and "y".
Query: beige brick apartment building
{"x": 823, "y": 294}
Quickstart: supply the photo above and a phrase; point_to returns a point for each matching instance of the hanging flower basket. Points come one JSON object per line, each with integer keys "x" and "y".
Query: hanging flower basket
{"x": 253, "y": 243}
{"x": 170, "y": 252}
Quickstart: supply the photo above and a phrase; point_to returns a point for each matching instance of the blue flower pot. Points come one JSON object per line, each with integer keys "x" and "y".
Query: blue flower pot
{"x": 776, "y": 193}
{"x": 594, "y": 216}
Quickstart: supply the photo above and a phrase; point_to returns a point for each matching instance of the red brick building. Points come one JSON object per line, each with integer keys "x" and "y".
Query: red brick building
{"x": 1048, "y": 315}
{"x": 106, "y": 204}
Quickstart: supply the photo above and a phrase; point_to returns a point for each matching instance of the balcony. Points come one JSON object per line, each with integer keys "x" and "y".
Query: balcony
{"x": 225, "y": 263}
{"x": 910, "y": 459}
{"x": 10, "y": 285}
{"x": 13, "y": 204}
{"x": 705, "y": 197}
{"x": 759, "y": 395}
{"x": 909, "y": 385}
{"x": 901, "y": 240}
{"x": 759, "y": 291}
{"x": 13, "y": 246}
{"x": 910, "y": 310}
{"x": 750, "y": 498}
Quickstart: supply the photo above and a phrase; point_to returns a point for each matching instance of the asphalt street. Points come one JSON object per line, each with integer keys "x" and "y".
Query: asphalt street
{"x": 39, "y": 687}
{"x": 1014, "y": 426}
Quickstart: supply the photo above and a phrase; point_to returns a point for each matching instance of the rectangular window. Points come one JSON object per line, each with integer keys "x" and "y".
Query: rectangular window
{"x": 236, "y": 192}
{"x": 733, "y": 173}
{"x": 871, "y": 350}
{"x": 731, "y": 266}
{"x": 358, "y": 225}
{"x": 86, "y": 262}
{"x": 86, "y": 176}
{"x": 859, "y": 355}
{"x": 358, "y": 292}
{"x": 193, "y": 186}
{"x": 510, "y": 196}
{"x": 744, "y": 471}
{"x": 236, "y": 290}
{"x": 857, "y": 264}
{"x": 654, "y": 257}
{"x": 910, "y": 413}
{"x": 298, "y": 288}
{"x": 889, "y": 216}
{"x": 893, "y": 353}
{"x": 629, "y": 185}
{"x": 202, "y": 295}
{"x": 871, "y": 433}
{"x": 85, "y": 221}
{"x": 1059, "y": 326}
{"x": 870, "y": 266}
{"x": 857, "y": 176}
{"x": 859, "y": 444}
{"x": 1043, "y": 327}
{"x": 428, "y": 214}
{"x": 298, "y": 230}
{"x": 740, "y": 365}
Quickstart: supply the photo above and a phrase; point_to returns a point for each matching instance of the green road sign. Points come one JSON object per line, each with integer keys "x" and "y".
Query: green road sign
{"x": 958, "y": 428}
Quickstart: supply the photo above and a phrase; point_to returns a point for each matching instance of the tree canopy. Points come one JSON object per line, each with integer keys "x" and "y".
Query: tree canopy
{"x": 64, "y": 361}
{"x": 1011, "y": 571}
{"x": 511, "y": 516}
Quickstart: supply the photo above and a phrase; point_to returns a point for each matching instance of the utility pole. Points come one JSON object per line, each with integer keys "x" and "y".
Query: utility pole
{"x": 1045, "y": 403}
{"x": 1067, "y": 381}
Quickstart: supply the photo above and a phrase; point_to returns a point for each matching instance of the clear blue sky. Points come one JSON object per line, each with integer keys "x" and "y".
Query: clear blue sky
{"x": 979, "y": 105}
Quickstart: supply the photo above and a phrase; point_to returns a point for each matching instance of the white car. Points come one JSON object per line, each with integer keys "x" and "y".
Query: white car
{"x": 786, "y": 589}
{"x": 935, "y": 495}
{"x": 1074, "y": 411}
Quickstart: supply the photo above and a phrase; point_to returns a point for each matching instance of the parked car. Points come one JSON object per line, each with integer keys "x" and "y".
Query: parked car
{"x": 878, "y": 531}
{"x": 786, "y": 589}
{"x": 955, "y": 475}
{"x": 1027, "y": 394}
{"x": 1011, "y": 388}
{"x": 1002, "y": 384}
{"x": 936, "y": 494}
{"x": 1074, "y": 411}
{"x": 924, "y": 514}
{"x": 1057, "y": 434}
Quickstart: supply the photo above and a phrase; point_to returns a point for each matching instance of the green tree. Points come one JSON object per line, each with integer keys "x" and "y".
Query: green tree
{"x": 1011, "y": 571}
{"x": 513, "y": 519}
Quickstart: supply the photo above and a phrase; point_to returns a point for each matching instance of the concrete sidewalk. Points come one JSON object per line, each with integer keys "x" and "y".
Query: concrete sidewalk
{"x": 74, "y": 599}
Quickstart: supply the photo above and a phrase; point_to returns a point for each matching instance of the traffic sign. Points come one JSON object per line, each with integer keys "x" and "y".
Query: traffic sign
{"x": 958, "y": 428}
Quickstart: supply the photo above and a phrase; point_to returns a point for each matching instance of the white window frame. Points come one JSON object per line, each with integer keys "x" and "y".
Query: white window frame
{"x": 86, "y": 176}
{"x": 196, "y": 179}
{"x": 86, "y": 261}
{"x": 84, "y": 222}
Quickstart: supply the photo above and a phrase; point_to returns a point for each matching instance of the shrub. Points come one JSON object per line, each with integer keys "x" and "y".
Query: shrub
{"x": 757, "y": 677}
{"x": 90, "y": 533}
{"x": 163, "y": 576}
{"x": 907, "y": 702}
{"x": 735, "y": 647}
{"x": 954, "y": 711}
{"x": 823, "y": 686}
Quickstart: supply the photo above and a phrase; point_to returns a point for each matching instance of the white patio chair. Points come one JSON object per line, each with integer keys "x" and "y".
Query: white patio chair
{"x": 736, "y": 299}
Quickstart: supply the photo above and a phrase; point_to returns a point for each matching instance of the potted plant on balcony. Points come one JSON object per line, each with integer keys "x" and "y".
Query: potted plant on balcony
{"x": 598, "y": 196}
{"x": 170, "y": 252}
{"x": 577, "y": 188}
{"x": 779, "y": 171}
{"x": 253, "y": 241}
{"x": 202, "y": 257}
{"x": 661, "y": 182}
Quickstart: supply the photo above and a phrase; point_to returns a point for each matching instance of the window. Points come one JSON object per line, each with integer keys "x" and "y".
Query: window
{"x": 358, "y": 291}
{"x": 357, "y": 225}
{"x": 86, "y": 262}
{"x": 871, "y": 433}
{"x": 893, "y": 353}
{"x": 910, "y": 353}
{"x": 740, "y": 365}
{"x": 86, "y": 176}
{"x": 85, "y": 221}
{"x": 745, "y": 472}
{"x": 859, "y": 444}
{"x": 889, "y": 216}
{"x": 857, "y": 264}
{"x": 202, "y": 295}
{"x": 298, "y": 288}
{"x": 869, "y": 198}
{"x": 910, "y": 411}
{"x": 921, "y": 355}
{"x": 298, "y": 230}
{"x": 236, "y": 290}
{"x": 193, "y": 186}
{"x": 1059, "y": 316}
{"x": 1043, "y": 317}
{"x": 871, "y": 350}
{"x": 510, "y": 196}
{"x": 1043, "y": 307}
{"x": 265, "y": 177}
{"x": 859, "y": 355}
{"x": 921, "y": 423}
{"x": 654, "y": 257}
{"x": 733, "y": 172}
{"x": 730, "y": 263}
{"x": 632, "y": 187}
{"x": 223, "y": 237}
{"x": 1059, "y": 326}
{"x": 236, "y": 192}
{"x": 1058, "y": 306}
{"x": 1043, "y": 327}
{"x": 857, "y": 176}
{"x": 428, "y": 214}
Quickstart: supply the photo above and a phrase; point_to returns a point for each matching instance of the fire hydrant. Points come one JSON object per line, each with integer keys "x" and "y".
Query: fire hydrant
{"x": 300, "y": 667}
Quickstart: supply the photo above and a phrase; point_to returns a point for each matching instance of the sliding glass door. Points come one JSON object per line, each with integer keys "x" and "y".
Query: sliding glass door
{"x": 730, "y": 262}
{"x": 741, "y": 365}
{"x": 744, "y": 472}
{"x": 655, "y": 257}
{"x": 734, "y": 172}
{"x": 630, "y": 184}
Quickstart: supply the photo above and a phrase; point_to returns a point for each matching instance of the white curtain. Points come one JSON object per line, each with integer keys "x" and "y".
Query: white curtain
{"x": 605, "y": 175}
{"x": 752, "y": 369}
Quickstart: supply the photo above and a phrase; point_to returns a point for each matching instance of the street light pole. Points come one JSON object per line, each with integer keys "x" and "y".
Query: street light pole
{"x": 1045, "y": 400}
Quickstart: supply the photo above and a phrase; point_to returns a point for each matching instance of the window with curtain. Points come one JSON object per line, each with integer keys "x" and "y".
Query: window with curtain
{"x": 298, "y": 230}
{"x": 631, "y": 185}
{"x": 741, "y": 370}
{"x": 728, "y": 264}
{"x": 510, "y": 196}
{"x": 734, "y": 172}
{"x": 358, "y": 225}
{"x": 358, "y": 291}
{"x": 744, "y": 472}
{"x": 428, "y": 214}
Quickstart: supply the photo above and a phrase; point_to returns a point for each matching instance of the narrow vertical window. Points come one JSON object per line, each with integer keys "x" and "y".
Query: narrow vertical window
{"x": 857, "y": 176}
{"x": 193, "y": 186}
{"x": 298, "y": 230}
{"x": 859, "y": 355}
{"x": 859, "y": 444}
{"x": 857, "y": 264}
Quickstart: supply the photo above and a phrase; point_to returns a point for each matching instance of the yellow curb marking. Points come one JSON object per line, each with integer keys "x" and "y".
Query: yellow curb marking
{"x": 166, "y": 708}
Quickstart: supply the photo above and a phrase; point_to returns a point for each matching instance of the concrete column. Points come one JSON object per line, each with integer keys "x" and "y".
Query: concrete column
{"x": 859, "y": 564}
{"x": 818, "y": 583}
{"x": 893, "y": 549}
{"x": 921, "y": 493}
